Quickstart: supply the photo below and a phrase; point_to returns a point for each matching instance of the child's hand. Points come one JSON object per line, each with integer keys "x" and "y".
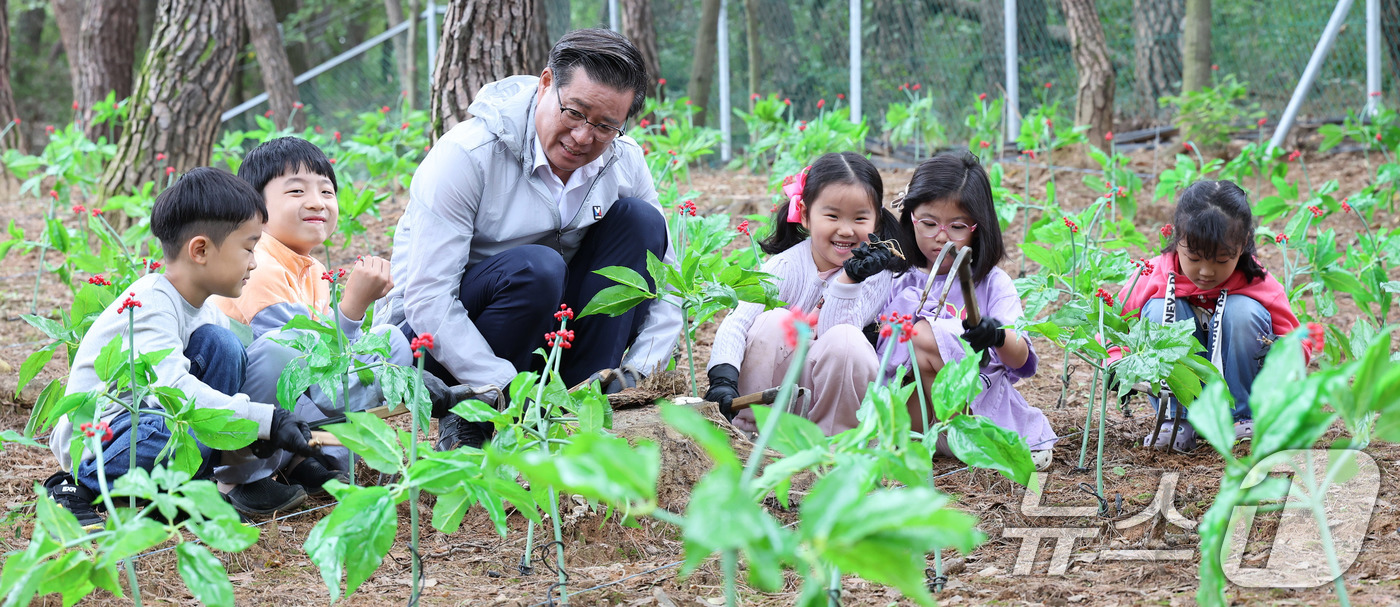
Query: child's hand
{"x": 369, "y": 280}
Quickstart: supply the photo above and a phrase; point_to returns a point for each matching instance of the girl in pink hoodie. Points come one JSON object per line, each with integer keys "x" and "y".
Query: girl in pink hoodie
{"x": 1208, "y": 275}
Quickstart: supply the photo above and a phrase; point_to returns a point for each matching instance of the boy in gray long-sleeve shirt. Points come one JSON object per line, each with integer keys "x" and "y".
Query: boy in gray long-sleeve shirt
{"x": 208, "y": 223}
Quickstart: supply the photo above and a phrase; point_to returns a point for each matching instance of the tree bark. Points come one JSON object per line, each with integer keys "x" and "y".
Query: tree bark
{"x": 1156, "y": 58}
{"x": 1195, "y": 46}
{"x": 640, "y": 27}
{"x": 482, "y": 41}
{"x": 145, "y": 24}
{"x": 1094, "y": 103}
{"x": 8, "y": 112}
{"x": 273, "y": 64}
{"x": 702, "y": 65}
{"x": 179, "y": 93}
{"x": 68, "y": 14}
{"x": 537, "y": 40}
{"x": 410, "y": 75}
{"x": 753, "y": 42}
{"x": 393, "y": 10}
{"x": 106, "y": 57}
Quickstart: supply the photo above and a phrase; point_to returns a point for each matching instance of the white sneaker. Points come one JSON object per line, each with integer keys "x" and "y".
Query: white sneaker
{"x": 1042, "y": 459}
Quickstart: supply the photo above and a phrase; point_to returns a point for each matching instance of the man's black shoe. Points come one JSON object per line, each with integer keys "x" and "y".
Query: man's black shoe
{"x": 266, "y": 496}
{"x": 75, "y": 498}
{"x": 312, "y": 476}
{"x": 453, "y": 432}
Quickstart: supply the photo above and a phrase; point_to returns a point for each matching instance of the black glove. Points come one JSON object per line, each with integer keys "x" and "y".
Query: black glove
{"x": 984, "y": 335}
{"x": 724, "y": 388}
{"x": 290, "y": 432}
{"x": 868, "y": 259}
{"x": 444, "y": 397}
{"x": 622, "y": 378}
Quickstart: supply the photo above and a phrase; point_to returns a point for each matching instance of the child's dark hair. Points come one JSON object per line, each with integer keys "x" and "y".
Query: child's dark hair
{"x": 1214, "y": 218}
{"x": 955, "y": 176}
{"x": 281, "y": 156}
{"x": 843, "y": 167}
{"x": 205, "y": 201}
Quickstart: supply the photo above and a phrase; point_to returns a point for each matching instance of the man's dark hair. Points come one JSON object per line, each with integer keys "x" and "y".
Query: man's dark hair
{"x": 608, "y": 57}
{"x": 281, "y": 156}
{"x": 206, "y": 201}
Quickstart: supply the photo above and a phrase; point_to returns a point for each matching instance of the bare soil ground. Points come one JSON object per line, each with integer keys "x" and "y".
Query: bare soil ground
{"x": 475, "y": 566}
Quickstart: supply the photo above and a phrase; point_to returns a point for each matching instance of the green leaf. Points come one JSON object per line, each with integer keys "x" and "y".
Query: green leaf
{"x": 293, "y": 382}
{"x": 956, "y": 385}
{"x": 59, "y": 523}
{"x": 136, "y": 537}
{"x": 450, "y": 508}
{"x": 372, "y": 439}
{"x": 794, "y": 434}
{"x": 598, "y": 467}
{"x": 615, "y": 300}
{"x": 694, "y": 426}
{"x": 69, "y": 575}
{"x": 979, "y": 442}
{"x": 226, "y": 534}
{"x": 353, "y": 540}
{"x": 474, "y": 410}
{"x": 10, "y": 436}
{"x": 33, "y": 365}
{"x": 220, "y": 429}
{"x": 625, "y": 275}
{"x": 718, "y": 518}
{"x": 1286, "y": 401}
{"x": 1211, "y": 416}
{"x": 204, "y": 575}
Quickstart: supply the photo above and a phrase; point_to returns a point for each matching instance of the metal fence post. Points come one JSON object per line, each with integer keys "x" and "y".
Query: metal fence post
{"x": 1373, "y": 56}
{"x": 432, "y": 40}
{"x": 613, "y": 16}
{"x": 726, "y": 131}
{"x": 1324, "y": 46}
{"x": 1013, "y": 77}
{"x": 855, "y": 60}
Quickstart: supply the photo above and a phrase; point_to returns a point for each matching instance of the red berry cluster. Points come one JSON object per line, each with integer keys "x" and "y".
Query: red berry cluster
{"x": 744, "y": 228}
{"x": 563, "y": 338}
{"x": 1317, "y": 213}
{"x": 821, "y": 103}
{"x": 1294, "y": 155}
{"x": 1346, "y": 208}
{"x": 151, "y": 264}
{"x": 421, "y": 343}
{"x": 1030, "y": 153}
{"x": 1167, "y": 230}
{"x": 564, "y": 312}
{"x": 1315, "y": 339}
{"x": 97, "y": 279}
{"x": 79, "y": 209}
{"x": 906, "y": 326}
{"x": 687, "y": 208}
{"x": 796, "y": 315}
{"x": 333, "y": 275}
{"x": 129, "y": 304}
{"x": 1146, "y": 264}
{"x": 91, "y": 430}
{"x": 981, "y": 96}
{"x": 1281, "y": 239}
{"x": 1105, "y": 296}
{"x": 1073, "y": 227}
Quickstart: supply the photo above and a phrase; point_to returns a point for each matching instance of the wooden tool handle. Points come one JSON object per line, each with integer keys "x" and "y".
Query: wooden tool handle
{"x": 321, "y": 438}
{"x": 765, "y": 397}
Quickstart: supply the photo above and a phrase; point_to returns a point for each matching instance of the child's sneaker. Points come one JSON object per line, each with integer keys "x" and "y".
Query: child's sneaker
{"x": 1162, "y": 440}
{"x": 1244, "y": 430}
{"x": 312, "y": 476}
{"x": 75, "y": 498}
{"x": 266, "y": 496}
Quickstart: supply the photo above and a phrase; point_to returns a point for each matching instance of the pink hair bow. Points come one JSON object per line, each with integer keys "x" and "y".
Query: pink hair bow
{"x": 792, "y": 188}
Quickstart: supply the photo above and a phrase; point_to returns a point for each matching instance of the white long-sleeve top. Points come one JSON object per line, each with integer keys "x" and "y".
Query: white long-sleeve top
{"x": 802, "y": 287}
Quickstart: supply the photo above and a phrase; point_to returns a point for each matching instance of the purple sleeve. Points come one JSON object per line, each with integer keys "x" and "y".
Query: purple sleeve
{"x": 1004, "y": 304}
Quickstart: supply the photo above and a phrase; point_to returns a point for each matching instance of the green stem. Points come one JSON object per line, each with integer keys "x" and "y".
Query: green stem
{"x": 833, "y": 595}
{"x": 1316, "y": 503}
{"x": 783, "y": 403}
{"x": 1103, "y": 414}
{"x": 1088, "y": 419}
{"x": 340, "y": 349}
{"x": 919, "y": 382}
{"x": 729, "y": 561}
{"x": 43, "y": 251}
{"x": 136, "y": 394}
{"x": 131, "y": 581}
{"x": 415, "y": 563}
{"x": 559, "y": 546}
{"x": 689, "y": 354}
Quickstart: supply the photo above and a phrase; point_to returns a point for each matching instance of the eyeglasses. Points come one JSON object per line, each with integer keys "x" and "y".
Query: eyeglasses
{"x": 956, "y": 230}
{"x": 573, "y": 119}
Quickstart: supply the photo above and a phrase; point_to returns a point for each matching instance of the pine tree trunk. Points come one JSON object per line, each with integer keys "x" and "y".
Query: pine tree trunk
{"x": 410, "y": 75}
{"x": 482, "y": 41}
{"x": 1156, "y": 57}
{"x": 393, "y": 10}
{"x": 107, "y": 52}
{"x": 276, "y": 69}
{"x": 537, "y": 40}
{"x": 640, "y": 27}
{"x": 68, "y": 14}
{"x": 179, "y": 93}
{"x": 8, "y": 112}
{"x": 702, "y": 65}
{"x": 1195, "y": 46}
{"x": 1094, "y": 101}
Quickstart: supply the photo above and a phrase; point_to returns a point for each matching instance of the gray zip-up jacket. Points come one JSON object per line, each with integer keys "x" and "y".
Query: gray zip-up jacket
{"x": 475, "y": 196}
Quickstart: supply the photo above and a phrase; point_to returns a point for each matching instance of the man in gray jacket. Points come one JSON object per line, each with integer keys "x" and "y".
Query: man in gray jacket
{"x": 513, "y": 210}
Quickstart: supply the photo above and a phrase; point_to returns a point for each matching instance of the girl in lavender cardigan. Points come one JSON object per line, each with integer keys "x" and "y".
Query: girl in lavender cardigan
{"x": 833, "y": 208}
{"x": 950, "y": 199}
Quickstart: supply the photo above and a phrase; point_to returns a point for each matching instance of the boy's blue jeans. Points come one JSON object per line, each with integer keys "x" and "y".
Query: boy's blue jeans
{"x": 1245, "y": 332}
{"x": 217, "y": 359}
